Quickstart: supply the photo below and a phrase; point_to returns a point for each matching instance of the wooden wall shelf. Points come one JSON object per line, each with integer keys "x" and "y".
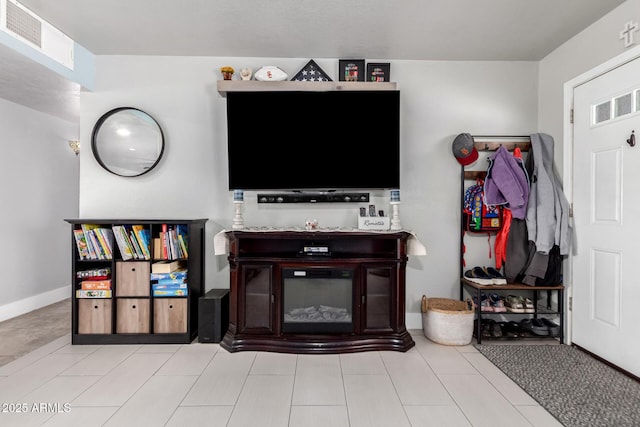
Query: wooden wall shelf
{"x": 225, "y": 86}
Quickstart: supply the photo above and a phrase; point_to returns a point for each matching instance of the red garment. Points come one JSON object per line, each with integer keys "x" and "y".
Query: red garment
{"x": 501, "y": 238}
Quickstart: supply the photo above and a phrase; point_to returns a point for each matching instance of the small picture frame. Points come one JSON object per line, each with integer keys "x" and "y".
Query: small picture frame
{"x": 378, "y": 72}
{"x": 351, "y": 70}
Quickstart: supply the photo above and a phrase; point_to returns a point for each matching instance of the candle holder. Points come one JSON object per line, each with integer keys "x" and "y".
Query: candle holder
{"x": 395, "y": 208}
{"x": 238, "y": 203}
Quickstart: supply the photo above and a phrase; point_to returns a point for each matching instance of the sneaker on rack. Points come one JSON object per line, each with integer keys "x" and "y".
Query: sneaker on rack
{"x": 485, "y": 305}
{"x": 513, "y": 304}
{"x": 496, "y": 276}
{"x": 497, "y": 302}
{"x": 553, "y": 327}
{"x": 527, "y": 303}
{"x": 477, "y": 275}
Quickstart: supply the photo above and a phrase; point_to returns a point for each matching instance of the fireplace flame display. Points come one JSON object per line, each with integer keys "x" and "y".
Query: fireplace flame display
{"x": 323, "y": 313}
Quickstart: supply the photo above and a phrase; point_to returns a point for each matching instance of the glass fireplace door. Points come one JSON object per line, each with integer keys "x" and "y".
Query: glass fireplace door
{"x": 317, "y": 300}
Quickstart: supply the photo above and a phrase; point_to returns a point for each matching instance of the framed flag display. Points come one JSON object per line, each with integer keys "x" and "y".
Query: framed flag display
{"x": 311, "y": 73}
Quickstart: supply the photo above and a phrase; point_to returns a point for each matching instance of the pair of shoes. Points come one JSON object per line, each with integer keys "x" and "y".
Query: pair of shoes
{"x": 509, "y": 330}
{"x": 518, "y": 304}
{"x": 479, "y": 276}
{"x": 535, "y": 325}
{"x": 554, "y": 328}
{"x": 491, "y": 329}
{"x": 496, "y": 276}
{"x": 497, "y": 303}
{"x": 485, "y": 304}
{"x": 513, "y": 304}
{"x": 485, "y": 276}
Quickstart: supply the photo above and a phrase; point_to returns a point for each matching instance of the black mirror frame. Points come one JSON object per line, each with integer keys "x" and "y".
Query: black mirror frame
{"x": 97, "y": 127}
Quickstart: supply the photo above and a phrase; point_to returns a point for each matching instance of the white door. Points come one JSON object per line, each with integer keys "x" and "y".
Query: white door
{"x": 606, "y": 207}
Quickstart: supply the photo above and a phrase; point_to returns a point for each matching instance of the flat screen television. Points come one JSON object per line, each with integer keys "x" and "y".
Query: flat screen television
{"x": 314, "y": 141}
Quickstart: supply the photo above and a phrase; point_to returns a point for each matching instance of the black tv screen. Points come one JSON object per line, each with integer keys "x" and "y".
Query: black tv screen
{"x": 295, "y": 140}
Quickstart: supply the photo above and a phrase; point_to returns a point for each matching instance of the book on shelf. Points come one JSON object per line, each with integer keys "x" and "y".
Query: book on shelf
{"x": 163, "y": 236}
{"x": 168, "y": 286}
{"x": 183, "y": 246}
{"x": 178, "y": 274}
{"x": 98, "y": 241}
{"x": 165, "y": 266}
{"x": 84, "y": 293}
{"x": 103, "y": 237}
{"x": 81, "y": 244}
{"x": 170, "y": 281}
{"x": 123, "y": 240}
{"x": 95, "y": 285}
{"x": 157, "y": 248}
{"x": 94, "y": 273}
{"x": 86, "y": 230}
{"x": 171, "y": 293}
{"x": 137, "y": 251}
{"x": 144, "y": 241}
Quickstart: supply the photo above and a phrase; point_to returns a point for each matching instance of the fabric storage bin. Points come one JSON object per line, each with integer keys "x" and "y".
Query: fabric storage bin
{"x": 447, "y": 321}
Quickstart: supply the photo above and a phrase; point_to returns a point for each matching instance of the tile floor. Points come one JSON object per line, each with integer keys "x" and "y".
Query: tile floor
{"x": 202, "y": 384}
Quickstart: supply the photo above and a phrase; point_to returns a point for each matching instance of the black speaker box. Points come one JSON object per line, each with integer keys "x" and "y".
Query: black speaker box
{"x": 213, "y": 315}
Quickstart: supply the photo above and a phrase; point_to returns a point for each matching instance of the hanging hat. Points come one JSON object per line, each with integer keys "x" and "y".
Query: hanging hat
{"x": 463, "y": 149}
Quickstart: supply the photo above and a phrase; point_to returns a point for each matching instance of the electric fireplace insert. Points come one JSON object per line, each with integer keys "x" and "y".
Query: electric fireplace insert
{"x": 317, "y": 300}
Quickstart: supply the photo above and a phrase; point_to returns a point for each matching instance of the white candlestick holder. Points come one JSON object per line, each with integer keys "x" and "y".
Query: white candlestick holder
{"x": 395, "y": 216}
{"x": 238, "y": 220}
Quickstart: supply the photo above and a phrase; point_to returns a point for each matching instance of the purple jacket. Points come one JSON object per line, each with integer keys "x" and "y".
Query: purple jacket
{"x": 507, "y": 183}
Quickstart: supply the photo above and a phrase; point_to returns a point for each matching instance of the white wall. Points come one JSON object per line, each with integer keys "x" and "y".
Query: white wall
{"x": 438, "y": 100}
{"x": 39, "y": 176}
{"x": 593, "y": 46}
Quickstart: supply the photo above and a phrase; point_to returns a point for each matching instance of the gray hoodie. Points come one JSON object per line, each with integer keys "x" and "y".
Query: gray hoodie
{"x": 548, "y": 209}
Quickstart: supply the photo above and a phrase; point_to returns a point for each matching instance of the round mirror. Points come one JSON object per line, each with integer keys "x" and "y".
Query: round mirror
{"x": 127, "y": 142}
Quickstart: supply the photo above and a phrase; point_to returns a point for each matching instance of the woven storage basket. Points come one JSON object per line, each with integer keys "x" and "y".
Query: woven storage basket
{"x": 447, "y": 321}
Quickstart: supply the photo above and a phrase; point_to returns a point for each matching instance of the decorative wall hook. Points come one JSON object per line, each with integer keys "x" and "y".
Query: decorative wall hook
{"x": 632, "y": 139}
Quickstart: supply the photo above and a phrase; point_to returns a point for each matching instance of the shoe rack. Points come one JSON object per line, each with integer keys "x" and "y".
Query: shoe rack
{"x": 469, "y": 175}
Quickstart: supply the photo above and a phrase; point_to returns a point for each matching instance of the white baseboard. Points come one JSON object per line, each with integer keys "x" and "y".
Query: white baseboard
{"x": 26, "y": 305}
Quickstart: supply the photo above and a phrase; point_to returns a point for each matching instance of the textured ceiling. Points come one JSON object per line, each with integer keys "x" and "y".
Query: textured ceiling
{"x": 371, "y": 29}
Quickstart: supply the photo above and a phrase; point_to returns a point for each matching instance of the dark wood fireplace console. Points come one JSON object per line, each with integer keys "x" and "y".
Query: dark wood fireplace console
{"x": 375, "y": 263}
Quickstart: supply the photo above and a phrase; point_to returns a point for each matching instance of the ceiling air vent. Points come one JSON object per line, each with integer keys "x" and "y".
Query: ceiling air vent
{"x": 19, "y": 22}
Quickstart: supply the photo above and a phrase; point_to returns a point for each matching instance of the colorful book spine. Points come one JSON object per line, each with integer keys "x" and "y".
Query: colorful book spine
{"x": 178, "y": 274}
{"x": 171, "y": 282}
{"x": 86, "y": 229}
{"x": 81, "y": 244}
{"x": 120, "y": 236}
{"x": 171, "y": 293}
{"x": 95, "y": 285}
{"x": 139, "y": 232}
{"x": 83, "y": 293}
{"x": 169, "y": 286}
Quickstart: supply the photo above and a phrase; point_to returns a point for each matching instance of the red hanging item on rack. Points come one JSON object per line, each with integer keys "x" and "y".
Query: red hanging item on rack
{"x": 501, "y": 239}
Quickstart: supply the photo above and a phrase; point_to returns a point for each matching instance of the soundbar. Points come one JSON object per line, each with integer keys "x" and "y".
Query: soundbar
{"x": 314, "y": 198}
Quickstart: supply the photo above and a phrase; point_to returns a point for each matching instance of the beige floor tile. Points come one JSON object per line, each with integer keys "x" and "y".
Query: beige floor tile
{"x": 373, "y": 402}
{"x": 319, "y": 416}
{"x": 274, "y": 364}
{"x": 415, "y": 382}
{"x": 480, "y": 402}
{"x": 433, "y": 415}
{"x": 265, "y": 401}
{"x": 159, "y": 396}
{"x": 368, "y": 362}
{"x": 222, "y": 380}
{"x": 122, "y": 382}
{"x": 213, "y": 416}
{"x": 318, "y": 381}
{"x": 189, "y": 360}
{"x": 82, "y": 417}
